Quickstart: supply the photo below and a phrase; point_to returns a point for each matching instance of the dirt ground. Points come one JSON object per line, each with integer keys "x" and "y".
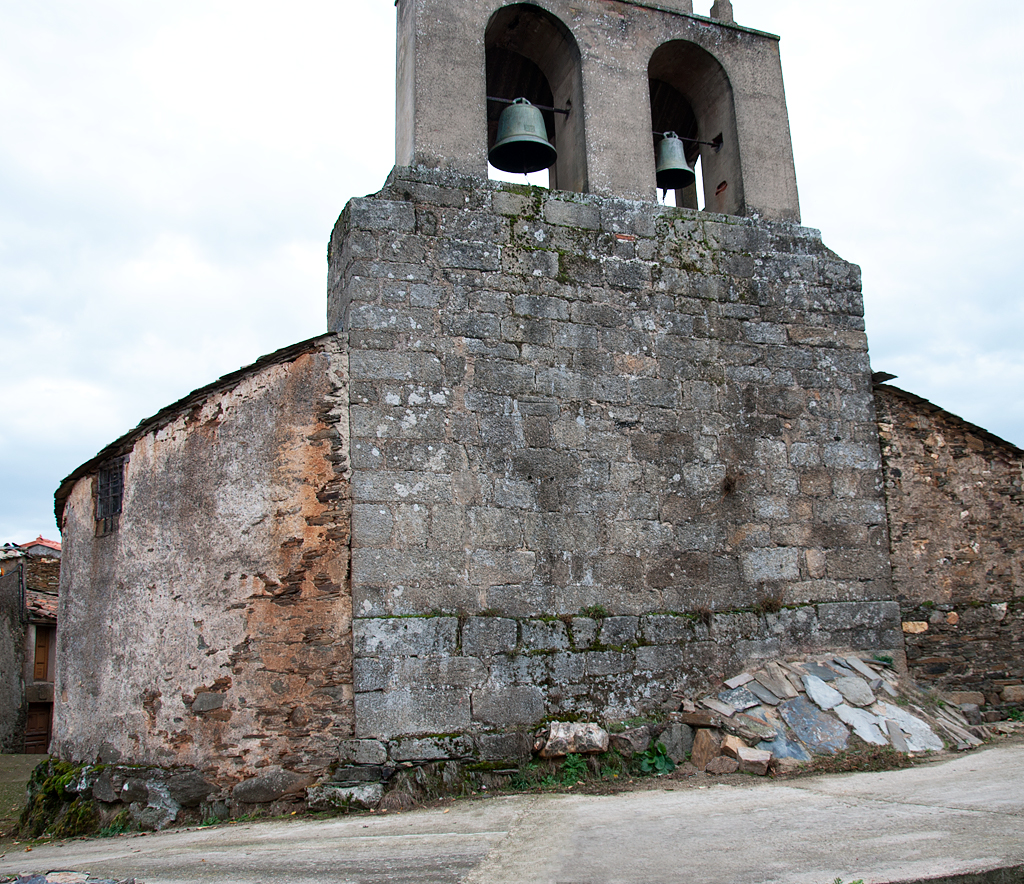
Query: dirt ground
{"x": 14, "y": 773}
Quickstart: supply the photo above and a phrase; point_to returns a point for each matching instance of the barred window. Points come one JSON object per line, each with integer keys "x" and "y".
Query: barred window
{"x": 109, "y": 491}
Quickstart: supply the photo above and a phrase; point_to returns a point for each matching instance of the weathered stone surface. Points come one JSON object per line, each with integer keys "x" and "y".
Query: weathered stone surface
{"x": 270, "y": 786}
{"x": 426, "y": 749}
{"x": 774, "y": 679}
{"x": 865, "y": 725}
{"x": 739, "y": 698}
{"x": 783, "y": 747}
{"x": 358, "y": 774}
{"x": 977, "y": 698}
{"x": 103, "y": 789}
{"x": 486, "y": 636}
{"x": 855, "y": 690}
{"x": 189, "y": 788}
{"x": 956, "y": 506}
{"x": 387, "y": 714}
{"x": 362, "y": 752}
{"x": 722, "y": 765}
{"x": 562, "y": 738}
{"x": 632, "y": 741}
{"x": 678, "y": 741}
{"x": 700, "y": 719}
{"x": 824, "y": 673}
{"x": 739, "y": 680}
{"x": 244, "y": 484}
{"x": 920, "y": 737}
{"x": 818, "y": 731}
{"x": 1013, "y": 693}
{"x": 540, "y": 433}
{"x": 762, "y": 694}
{"x": 896, "y": 736}
{"x": 749, "y": 727}
{"x": 330, "y": 796}
{"x": 707, "y": 745}
{"x": 753, "y": 761}
{"x": 860, "y": 666}
{"x": 731, "y": 745}
{"x": 502, "y": 747}
{"x": 207, "y": 701}
{"x": 724, "y": 709}
{"x": 159, "y": 811}
{"x": 821, "y": 693}
{"x": 508, "y": 705}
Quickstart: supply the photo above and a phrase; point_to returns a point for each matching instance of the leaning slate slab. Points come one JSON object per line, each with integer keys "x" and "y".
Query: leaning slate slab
{"x": 820, "y": 733}
{"x": 854, "y": 690}
{"x": 864, "y": 724}
{"x": 739, "y": 698}
{"x": 782, "y": 747}
{"x": 763, "y": 694}
{"x": 899, "y": 740}
{"x": 821, "y": 693}
{"x": 920, "y": 737}
{"x": 821, "y": 671}
{"x": 861, "y": 667}
{"x": 718, "y": 706}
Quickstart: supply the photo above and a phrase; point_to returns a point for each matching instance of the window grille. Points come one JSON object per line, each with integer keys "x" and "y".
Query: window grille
{"x": 109, "y": 493}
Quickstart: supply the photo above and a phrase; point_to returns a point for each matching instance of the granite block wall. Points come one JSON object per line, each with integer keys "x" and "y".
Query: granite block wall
{"x": 600, "y": 449}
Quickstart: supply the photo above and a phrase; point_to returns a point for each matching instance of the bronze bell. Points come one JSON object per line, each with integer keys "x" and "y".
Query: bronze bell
{"x": 522, "y": 143}
{"x": 673, "y": 170}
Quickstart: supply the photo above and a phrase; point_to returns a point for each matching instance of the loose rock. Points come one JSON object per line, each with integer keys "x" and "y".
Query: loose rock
{"x": 707, "y": 745}
{"x": 753, "y": 761}
{"x": 562, "y": 738}
{"x": 854, "y": 690}
{"x": 722, "y": 765}
{"x": 821, "y": 693}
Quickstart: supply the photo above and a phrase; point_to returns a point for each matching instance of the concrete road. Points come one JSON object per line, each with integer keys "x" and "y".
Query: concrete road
{"x": 961, "y": 815}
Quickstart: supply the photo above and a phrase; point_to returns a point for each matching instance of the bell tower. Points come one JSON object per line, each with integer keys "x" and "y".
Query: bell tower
{"x": 611, "y": 76}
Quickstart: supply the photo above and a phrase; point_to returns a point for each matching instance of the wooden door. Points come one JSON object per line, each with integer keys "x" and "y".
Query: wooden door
{"x": 37, "y": 728}
{"x": 41, "y": 671}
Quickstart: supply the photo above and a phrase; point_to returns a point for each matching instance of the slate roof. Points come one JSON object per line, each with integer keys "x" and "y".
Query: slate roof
{"x": 121, "y": 446}
{"x": 924, "y": 405}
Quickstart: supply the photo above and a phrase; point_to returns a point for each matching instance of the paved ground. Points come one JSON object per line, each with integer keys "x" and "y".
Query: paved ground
{"x": 958, "y": 816}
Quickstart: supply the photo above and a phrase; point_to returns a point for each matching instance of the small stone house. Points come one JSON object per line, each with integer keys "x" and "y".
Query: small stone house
{"x": 29, "y": 585}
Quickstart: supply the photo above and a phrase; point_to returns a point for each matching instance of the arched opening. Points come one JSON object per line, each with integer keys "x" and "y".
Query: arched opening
{"x": 691, "y": 95}
{"x": 532, "y": 55}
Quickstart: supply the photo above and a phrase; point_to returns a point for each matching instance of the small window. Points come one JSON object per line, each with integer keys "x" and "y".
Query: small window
{"x": 109, "y": 492}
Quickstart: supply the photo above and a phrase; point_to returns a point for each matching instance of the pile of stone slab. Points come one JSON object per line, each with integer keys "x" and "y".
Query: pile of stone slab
{"x": 793, "y": 710}
{"x": 789, "y": 711}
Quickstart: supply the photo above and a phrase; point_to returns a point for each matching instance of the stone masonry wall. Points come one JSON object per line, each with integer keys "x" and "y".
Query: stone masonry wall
{"x": 12, "y": 659}
{"x": 213, "y": 628}
{"x": 601, "y": 450}
{"x": 956, "y": 521}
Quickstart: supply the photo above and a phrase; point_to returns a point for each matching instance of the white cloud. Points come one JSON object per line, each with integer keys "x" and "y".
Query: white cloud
{"x": 171, "y": 173}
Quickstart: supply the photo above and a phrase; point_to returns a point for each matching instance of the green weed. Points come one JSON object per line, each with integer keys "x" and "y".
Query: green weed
{"x": 656, "y": 761}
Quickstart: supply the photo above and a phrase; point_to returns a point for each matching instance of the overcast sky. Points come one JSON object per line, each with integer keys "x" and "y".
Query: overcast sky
{"x": 170, "y": 173}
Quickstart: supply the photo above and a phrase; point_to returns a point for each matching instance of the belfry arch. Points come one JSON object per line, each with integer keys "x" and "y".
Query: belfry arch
{"x": 531, "y": 54}
{"x": 691, "y": 95}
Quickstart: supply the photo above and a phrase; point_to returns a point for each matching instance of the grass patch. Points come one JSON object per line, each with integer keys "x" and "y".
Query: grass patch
{"x": 865, "y": 758}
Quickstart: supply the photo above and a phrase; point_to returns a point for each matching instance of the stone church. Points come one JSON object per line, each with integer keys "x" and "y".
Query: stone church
{"x": 561, "y": 452}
